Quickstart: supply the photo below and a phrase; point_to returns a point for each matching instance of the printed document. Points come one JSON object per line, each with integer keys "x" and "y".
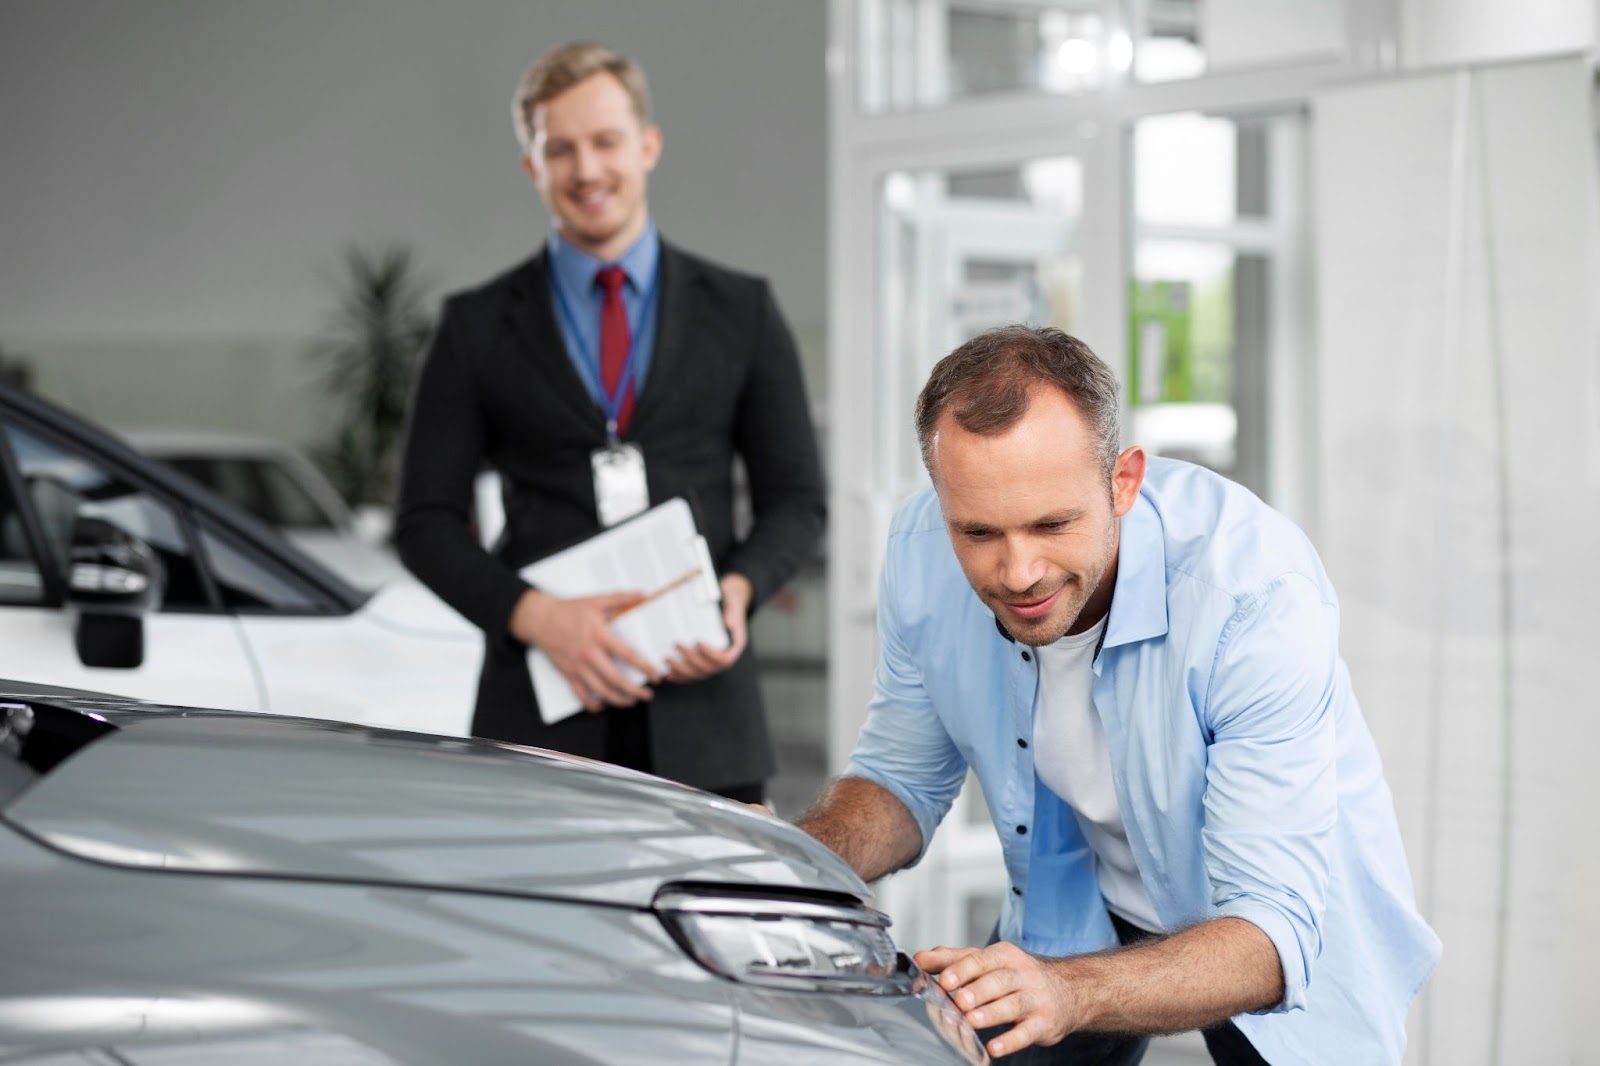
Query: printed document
{"x": 658, "y": 554}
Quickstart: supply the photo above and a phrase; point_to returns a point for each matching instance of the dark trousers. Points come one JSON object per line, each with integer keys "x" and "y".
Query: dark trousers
{"x": 1227, "y": 1045}
{"x": 628, "y": 744}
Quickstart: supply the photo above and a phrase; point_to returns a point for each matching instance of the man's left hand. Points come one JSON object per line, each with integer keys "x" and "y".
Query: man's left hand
{"x": 699, "y": 661}
{"x": 1002, "y": 984}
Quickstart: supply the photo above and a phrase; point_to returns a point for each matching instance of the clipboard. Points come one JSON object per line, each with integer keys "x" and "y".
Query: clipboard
{"x": 653, "y": 553}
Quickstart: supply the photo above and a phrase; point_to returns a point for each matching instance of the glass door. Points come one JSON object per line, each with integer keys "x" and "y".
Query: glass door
{"x": 963, "y": 250}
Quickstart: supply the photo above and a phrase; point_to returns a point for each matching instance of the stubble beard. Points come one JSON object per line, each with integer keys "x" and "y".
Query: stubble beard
{"x": 1076, "y": 590}
{"x": 1038, "y": 632}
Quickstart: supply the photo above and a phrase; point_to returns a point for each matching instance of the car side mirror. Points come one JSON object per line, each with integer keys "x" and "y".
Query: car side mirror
{"x": 113, "y": 579}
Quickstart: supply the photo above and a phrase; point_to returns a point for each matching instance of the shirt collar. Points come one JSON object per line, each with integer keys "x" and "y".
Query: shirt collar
{"x": 575, "y": 268}
{"x": 1139, "y": 601}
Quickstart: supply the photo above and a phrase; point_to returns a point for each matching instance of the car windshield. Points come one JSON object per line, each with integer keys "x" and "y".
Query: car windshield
{"x": 259, "y": 486}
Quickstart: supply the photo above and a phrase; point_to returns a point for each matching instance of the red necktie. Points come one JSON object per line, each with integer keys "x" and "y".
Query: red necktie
{"x": 615, "y": 340}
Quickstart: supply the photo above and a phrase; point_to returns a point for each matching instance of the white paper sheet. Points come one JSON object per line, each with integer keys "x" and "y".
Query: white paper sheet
{"x": 641, "y": 555}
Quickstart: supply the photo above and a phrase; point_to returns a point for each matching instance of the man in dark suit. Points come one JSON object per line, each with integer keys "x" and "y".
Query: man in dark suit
{"x": 610, "y": 343}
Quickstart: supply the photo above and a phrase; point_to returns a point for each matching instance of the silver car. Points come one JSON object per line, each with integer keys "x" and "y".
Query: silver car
{"x": 189, "y": 886}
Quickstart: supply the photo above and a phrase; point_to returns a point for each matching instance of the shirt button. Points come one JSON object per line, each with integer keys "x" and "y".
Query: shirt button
{"x": 1022, "y": 829}
{"x": 1027, "y": 658}
{"x": 1021, "y": 743}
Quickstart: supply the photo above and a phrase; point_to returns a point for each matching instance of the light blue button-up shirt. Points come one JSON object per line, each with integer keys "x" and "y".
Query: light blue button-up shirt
{"x": 578, "y": 301}
{"x": 1248, "y": 781}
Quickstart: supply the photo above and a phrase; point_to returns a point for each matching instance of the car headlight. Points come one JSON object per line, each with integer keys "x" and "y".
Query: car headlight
{"x": 786, "y": 942}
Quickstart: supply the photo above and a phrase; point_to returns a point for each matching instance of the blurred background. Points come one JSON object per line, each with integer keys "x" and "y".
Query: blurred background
{"x": 1343, "y": 251}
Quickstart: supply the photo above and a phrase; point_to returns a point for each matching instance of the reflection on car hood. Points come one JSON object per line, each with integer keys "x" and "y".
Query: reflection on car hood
{"x": 251, "y": 794}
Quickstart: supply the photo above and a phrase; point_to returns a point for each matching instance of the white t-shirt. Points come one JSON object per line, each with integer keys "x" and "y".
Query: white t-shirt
{"x": 1071, "y": 758}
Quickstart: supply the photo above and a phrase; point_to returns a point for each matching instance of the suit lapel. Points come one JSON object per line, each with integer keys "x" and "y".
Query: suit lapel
{"x": 677, "y": 310}
{"x": 539, "y": 340}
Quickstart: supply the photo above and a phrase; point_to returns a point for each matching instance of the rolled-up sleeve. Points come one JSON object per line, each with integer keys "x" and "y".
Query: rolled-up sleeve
{"x": 1271, "y": 798}
{"x": 904, "y": 747}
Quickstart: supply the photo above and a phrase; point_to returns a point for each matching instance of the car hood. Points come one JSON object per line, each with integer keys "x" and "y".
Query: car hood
{"x": 281, "y": 797}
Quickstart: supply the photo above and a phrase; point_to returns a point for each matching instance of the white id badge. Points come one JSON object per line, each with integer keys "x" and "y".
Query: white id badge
{"x": 619, "y": 486}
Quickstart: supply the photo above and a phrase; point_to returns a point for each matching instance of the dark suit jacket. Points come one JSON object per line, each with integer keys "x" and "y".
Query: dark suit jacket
{"x": 497, "y": 385}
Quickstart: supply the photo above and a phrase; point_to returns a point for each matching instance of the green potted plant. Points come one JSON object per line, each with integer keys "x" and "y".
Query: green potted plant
{"x": 369, "y": 355}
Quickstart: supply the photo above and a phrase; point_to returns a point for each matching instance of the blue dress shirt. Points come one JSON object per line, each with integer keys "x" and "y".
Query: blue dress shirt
{"x": 1248, "y": 781}
{"x": 578, "y": 300}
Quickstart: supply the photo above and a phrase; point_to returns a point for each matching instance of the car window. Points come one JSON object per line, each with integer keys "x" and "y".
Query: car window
{"x": 261, "y": 487}
{"x": 63, "y": 485}
{"x": 230, "y": 479}
{"x": 247, "y": 585}
{"x": 293, "y": 505}
{"x": 21, "y": 581}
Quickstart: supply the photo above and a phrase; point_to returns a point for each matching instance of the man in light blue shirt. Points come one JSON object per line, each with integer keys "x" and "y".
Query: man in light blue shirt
{"x": 1139, "y": 660}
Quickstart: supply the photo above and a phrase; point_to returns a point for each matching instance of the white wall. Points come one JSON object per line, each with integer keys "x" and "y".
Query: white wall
{"x": 1459, "y": 418}
{"x": 1447, "y": 32}
{"x": 177, "y": 177}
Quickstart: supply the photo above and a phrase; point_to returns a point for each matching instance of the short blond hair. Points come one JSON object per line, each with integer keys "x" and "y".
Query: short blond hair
{"x": 561, "y": 68}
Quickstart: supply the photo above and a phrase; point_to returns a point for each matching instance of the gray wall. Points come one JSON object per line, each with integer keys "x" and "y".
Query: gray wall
{"x": 178, "y": 177}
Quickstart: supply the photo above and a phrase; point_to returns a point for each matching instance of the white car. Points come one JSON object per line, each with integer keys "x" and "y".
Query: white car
{"x": 118, "y": 573}
{"x": 277, "y": 483}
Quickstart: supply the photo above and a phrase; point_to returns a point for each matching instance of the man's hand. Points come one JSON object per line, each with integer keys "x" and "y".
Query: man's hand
{"x": 1002, "y": 984}
{"x": 1188, "y": 980}
{"x": 699, "y": 661}
{"x": 577, "y": 636}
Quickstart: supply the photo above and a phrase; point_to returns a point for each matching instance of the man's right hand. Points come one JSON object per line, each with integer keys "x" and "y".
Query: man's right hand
{"x": 577, "y": 636}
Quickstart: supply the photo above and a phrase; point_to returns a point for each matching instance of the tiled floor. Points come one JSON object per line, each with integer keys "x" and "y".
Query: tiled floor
{"x": 795, "y": 715}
